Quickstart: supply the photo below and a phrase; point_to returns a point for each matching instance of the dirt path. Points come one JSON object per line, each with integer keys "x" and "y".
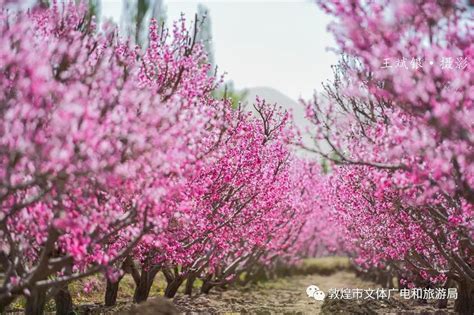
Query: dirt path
{"x": 286, "y": 295}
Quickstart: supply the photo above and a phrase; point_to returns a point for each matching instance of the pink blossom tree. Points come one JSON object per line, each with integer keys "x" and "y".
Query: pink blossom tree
{"x": 119, "y": 159}
{"x": 231, "y": 204}
{"x": 92, "y": 141}
{"x": 398, "y": 120}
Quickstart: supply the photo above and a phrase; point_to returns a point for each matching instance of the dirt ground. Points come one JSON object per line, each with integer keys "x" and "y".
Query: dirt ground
{"x": 286, "y": 296}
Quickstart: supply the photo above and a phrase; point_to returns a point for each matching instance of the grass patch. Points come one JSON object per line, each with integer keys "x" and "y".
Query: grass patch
{"x": 273, "y": 284}
{"x": 324, "y": 265}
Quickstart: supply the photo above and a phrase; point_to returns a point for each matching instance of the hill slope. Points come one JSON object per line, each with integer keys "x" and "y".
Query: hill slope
{"x": 274, "y": 96}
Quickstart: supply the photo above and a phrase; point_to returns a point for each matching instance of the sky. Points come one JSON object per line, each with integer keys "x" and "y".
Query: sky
{"x": 279, "y": 44}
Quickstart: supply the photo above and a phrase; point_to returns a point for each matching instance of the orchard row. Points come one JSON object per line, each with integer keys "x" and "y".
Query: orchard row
{"x": 120, "y": 159}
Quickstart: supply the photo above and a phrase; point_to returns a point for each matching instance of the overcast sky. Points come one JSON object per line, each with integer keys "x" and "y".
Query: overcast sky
{"x": 280, "y": 44}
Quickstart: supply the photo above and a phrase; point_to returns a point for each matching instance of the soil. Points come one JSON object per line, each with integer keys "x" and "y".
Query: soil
{"x": 288, "y": 296}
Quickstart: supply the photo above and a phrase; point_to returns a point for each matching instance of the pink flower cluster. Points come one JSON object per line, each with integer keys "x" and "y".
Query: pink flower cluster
{"x": 402, "y": 144}
{"x": 119, "y": 159}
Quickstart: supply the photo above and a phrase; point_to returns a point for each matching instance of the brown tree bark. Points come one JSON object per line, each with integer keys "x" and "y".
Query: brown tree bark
{"x": 111, "y": 292}
{"x": 464, "y": 304}
{"x": 188, "y": 290}
{"x": 142, "y": 290}
{"x": 206, "y": 287}
{"x": 63, "y": 301}
{"x": 36, "y": 302}
{"x": 173, "y": 286}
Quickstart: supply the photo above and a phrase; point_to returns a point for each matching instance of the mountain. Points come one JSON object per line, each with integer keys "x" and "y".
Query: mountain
{"x": 272, "y": 96}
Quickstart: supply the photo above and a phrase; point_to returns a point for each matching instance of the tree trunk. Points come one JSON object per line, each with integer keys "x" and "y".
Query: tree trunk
{"x": 142, "y": 291}
{"x": 206, "y": 287}
{"x": 443, "y": 303}
{"x": 259, "y": 275}
{"x": 189, "y": 284}
{"x": 464, "y": 304}
{"x": 173, "y": 287}
{"x": 111, "y": 292}
{"x": 35, "y": 302}
{"x": 249, "y": 276}
{"x": 4, "y": 302}
{"x": 384, "y": 279}
{"x": 63, "y": 302}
